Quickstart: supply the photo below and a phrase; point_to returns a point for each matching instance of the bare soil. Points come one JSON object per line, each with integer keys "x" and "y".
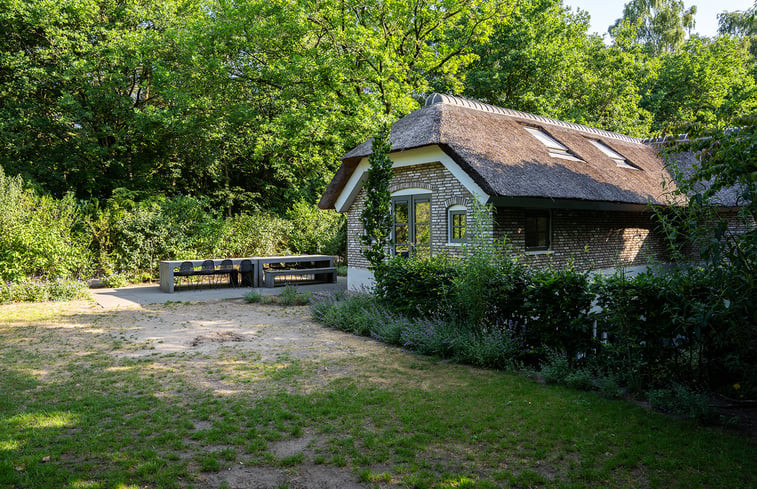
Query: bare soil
{"x": 229, "y": 346}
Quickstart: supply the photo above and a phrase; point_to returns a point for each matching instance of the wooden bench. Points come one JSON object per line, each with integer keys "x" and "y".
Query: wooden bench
{"x": 324, "y": 274}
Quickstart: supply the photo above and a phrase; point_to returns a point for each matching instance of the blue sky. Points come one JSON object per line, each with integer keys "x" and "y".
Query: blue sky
{"x": 604, "y": 12}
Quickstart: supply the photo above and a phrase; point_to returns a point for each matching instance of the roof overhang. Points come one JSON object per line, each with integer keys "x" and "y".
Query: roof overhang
{"x": 570, "y": 204}
{"x": 417, "y": 156}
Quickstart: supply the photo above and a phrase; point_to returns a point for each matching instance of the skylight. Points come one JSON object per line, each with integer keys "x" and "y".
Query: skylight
{"x": 615, "y": 156}
{"x": 556, "y": 149}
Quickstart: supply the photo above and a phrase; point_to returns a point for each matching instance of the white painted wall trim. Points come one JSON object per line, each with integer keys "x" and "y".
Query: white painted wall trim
{"x": 411, "y": 191}
{"x": 360, "y": 279}
{"x": 418, "y": 156}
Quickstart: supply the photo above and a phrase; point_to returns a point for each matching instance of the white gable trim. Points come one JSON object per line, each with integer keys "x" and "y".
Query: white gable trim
{"x": 411, "y": 191}
{"x": 418, "y": 156}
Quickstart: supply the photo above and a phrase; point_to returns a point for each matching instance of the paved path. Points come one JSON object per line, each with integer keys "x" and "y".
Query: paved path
{"x": 141, "y": 295}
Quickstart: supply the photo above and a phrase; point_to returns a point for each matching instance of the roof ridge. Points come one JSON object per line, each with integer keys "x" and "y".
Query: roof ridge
{"x": 441, "y": 98}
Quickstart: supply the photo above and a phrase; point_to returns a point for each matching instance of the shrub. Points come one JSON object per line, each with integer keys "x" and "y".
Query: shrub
{"x": 580, "y": 379}
{"x": 40, "y": 290}
{"x": 555, "y": 368}
{"x": 676, "y": 325}
{"x": 357, "y": 313}
{"x": 558, "y": 306}
{"x": 607, "y": 385}
{"x": 115, "y": 280}
{"x": 252, "y": 297}
{"x": 135, "y": 236}
{"x": 432, "y": 337}
{"x": 252, "y": 235}
{"x": 681, "y": 401}
{"x": 491, "y": 348}
{"x": 416, "y": 286}
{"x": 39, "y": 234}
{"x": 315, "y": 231}
{"x": 290, "y": 297}
{"x": 365, "y": 315}
{"x": 490, "y": 289}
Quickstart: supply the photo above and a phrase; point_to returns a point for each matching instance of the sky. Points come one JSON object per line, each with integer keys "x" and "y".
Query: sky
{"x": 605, "y": 12}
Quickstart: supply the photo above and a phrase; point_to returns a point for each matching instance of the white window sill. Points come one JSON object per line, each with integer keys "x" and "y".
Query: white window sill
{"x": 455, "y": 244}
{"x": 540, "y": 252}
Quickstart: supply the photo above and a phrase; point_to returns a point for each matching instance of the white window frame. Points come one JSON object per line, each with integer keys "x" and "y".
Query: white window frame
{"x": 555, "y": 148}
{"x": 619, "y": 159}
{"x": 456, "y": 209}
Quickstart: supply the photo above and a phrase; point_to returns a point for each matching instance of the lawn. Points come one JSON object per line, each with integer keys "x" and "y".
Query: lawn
{"x": 231, "y": 394}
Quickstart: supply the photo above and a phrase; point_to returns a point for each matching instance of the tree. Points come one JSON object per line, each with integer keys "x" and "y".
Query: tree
{"x": 659, "y": 25}
{"x": 705, "y": 81}
{"x": 79, "y": 108}
{"x": 542, "y": 60}
{"x": 376, "y": 214}
{"x": 727, "y": 244}
{"x": 740, "y": 24}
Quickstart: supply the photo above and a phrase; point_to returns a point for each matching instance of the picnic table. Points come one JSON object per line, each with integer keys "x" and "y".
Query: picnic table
{"x": 266, "y": 269}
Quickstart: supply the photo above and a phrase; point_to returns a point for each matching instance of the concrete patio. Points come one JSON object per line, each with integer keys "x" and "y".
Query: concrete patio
{"x": 140, "y": 295}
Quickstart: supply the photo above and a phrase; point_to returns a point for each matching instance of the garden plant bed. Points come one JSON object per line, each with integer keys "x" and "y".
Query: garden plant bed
{"x": 230, "y": 394}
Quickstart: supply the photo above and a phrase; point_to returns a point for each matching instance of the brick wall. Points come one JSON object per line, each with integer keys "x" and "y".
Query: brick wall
{"x": 446, "y": 191}
{"x": 591, "y": 239}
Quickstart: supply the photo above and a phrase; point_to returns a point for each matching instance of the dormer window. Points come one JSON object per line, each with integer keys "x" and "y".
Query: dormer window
{"x": 619, "y": 160}
{"x": 556, "y": 148}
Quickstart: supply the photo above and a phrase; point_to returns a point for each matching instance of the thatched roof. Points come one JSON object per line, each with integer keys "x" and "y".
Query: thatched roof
{"x": 686, "y": 162}
{"x": 491, "y": 145}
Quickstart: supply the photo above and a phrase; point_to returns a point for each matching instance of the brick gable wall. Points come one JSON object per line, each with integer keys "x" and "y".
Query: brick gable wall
{"x": 446, "y": 191}
{"x": 592, "y": 239}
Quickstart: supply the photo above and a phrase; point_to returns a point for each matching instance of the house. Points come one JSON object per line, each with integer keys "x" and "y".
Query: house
{"x": 560, "y": 192}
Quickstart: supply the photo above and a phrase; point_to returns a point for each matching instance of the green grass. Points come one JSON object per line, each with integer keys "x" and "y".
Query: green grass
{"x": 401, "y": 420}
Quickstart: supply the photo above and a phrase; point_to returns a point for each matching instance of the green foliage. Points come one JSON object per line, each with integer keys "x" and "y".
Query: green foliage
{"x": 416, "y": 286}
{"x": 316, "y": 231}
{"x": 726, "y": 242}
{"x": 740, "y": 24}
{"x": 40, "y": 235}
{"x": 35, "y": 290}
{"x": 115, "y": 280}
{"x": 253, "y": 297}
{"x": 543, "y": 60}
{"x": 676, "y": 326}
{"x": 558, "y": 304}
{"x": 290, "y": 297}
{"x": 705, "y": 81}
{"x": 659, "y": 25}
{"x": 357, "y": 314}
{"x": 376, "y": 215}
{"x": 682, "y": 401}
{"x": 130, "y": 235}
{"x": 258, "y": 234}
{"x": 241, "y": 102}
{"x": 367, "y": 316}
{"x": 490, "y": 289}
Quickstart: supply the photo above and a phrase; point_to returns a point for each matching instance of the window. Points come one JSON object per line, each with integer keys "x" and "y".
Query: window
{"x": 556, "y": 149}
{"x": 538, "y": 230}
{"x": 456, "y": 220}
{"x": 615, "y": 156}
{"x": 412, "y": 225}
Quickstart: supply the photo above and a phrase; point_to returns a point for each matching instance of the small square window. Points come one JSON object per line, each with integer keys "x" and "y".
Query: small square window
{"x": 538, "y": 231}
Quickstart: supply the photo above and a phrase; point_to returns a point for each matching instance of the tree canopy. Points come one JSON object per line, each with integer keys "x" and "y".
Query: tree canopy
{"x": 251, "y": 103}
